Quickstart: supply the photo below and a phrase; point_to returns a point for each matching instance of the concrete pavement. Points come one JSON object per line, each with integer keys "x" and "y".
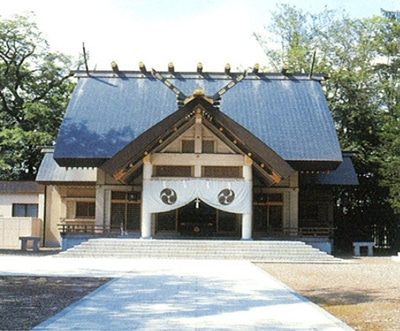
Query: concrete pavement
{"x": 176, "y": 295}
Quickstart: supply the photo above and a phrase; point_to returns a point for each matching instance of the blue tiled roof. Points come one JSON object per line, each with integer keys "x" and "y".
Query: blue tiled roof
{"x": 107, "y": 111}
{"x": 290, "y": 117}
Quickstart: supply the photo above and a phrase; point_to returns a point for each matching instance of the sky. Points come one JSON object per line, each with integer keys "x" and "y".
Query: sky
{"x": 185, "y": 32}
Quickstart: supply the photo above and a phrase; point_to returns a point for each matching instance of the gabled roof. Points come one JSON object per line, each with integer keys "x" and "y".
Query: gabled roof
{"x": 287, "y": 113}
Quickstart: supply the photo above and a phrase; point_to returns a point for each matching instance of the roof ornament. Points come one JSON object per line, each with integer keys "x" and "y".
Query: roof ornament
{"x": 285, "y": 69}
{"x": 256, "y": 68}
{"x": 180, "y": 95}
{"x": 227, "y": 68}
{"x": 114, "y": 67}
{"x": 184, "y": 99}
{"x": 217, "y": 96}
{"x": 142, "y": 67}
{"x": 171, "y": 67}
{"x": 85, "y": 59}
{"x": 199, "y": 67}
{"x": 312, "y": 63}
{"x": 199, "y": 93}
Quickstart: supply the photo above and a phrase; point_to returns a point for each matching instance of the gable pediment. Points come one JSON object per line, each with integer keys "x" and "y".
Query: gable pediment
{"x": 198, "y": 139}
{"x": 211, "y": 125}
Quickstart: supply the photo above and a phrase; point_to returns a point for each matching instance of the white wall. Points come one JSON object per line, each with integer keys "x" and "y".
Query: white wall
{"x": 7, "y": 200}
{"x": 14, "y": 227}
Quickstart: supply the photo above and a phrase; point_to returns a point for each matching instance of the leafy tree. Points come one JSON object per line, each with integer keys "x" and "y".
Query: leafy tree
{"x": 389, "y": 77}
{"x": 293, "y": 36}
{"x": 34, "y": 90}
{"x": 348, "y": 49}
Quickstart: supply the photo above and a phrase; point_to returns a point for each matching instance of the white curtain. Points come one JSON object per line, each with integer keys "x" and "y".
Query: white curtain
{"x": 233, "y": 196}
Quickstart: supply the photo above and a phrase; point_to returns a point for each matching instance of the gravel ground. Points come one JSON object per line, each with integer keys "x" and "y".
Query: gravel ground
{"x": 364, "y": 293}
{"x": 28, "y": 301}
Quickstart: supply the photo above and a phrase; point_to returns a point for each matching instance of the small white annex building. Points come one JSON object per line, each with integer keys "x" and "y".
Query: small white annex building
{"x": 21, "y": 212}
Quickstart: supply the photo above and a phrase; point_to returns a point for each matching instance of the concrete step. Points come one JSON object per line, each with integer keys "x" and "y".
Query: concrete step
{"x": 198, "y": 249}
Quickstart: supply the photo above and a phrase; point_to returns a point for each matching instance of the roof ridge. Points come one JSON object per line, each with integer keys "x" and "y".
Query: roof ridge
{"x": 126, "y": 74}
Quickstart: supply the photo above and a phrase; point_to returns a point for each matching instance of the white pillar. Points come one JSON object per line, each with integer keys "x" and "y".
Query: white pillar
{"x": 246, "y": 227}
{"x": 146, "y": 223}
{"x": 247, "y": 219}
{"x": 145, "y": 215}
{"x": 99, "y": 222}
{"x": 100, "y": 201}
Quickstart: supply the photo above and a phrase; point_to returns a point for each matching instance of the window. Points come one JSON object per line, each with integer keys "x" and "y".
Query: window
{"x": 263, "y": 197}
{"x": 222, "y": 172}
{"x": 125, "y": 210}
{"x": 187, "y": 146}
{"x": 25, "y": 210}
{"x": 268, "y": 212}
{"x": 118, "y": 195}
{"x": 85, "y": 209}
{"x": 172, "y": 171}
{"x": 208, "y": 146}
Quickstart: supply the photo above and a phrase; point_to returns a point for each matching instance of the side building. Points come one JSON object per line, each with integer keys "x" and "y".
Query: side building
{"x": 21, "y": 212}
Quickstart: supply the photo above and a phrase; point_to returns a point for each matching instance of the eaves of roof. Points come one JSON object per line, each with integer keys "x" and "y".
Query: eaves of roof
{"x": 344, "y": 175}
{"x": 51, "y": 173}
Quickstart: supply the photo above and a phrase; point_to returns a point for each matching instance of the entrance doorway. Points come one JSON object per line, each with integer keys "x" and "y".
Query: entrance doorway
{"x": 198, "y": 220}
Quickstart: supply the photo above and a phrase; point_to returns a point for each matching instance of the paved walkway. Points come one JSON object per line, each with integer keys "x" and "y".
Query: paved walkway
{"x": 176, "y": 295}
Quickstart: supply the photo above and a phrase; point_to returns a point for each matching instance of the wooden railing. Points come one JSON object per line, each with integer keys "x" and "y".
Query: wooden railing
{"x": 317, "y": 232}
{"x": 85, "y": 228}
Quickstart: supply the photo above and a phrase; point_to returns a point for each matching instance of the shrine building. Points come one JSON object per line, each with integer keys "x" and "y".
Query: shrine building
{"x": 194, "y": 155}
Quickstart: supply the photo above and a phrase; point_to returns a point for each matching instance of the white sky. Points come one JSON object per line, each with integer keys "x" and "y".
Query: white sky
{"x": 156, "y": 32}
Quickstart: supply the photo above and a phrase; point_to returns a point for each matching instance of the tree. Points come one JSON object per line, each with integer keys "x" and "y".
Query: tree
{"x": 348, "y": 49}
{"x": 34, "y": 91}
{"x": 389, "y": 77}
{"x": 293, "y": 35}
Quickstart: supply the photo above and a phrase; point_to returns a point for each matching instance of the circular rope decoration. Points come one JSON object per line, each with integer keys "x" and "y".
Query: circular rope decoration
{"x": 226, "y": 196}
{"x": 168, "y": 196}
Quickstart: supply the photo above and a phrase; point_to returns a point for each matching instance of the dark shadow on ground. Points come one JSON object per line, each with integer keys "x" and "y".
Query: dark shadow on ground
{"x": 28, "y": 301}
{"x": 30, "y": 252}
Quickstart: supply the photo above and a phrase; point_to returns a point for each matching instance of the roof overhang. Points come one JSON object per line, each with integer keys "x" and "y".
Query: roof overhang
{"x": 51, "y": 173}
{"x": 18, "y": 187}
{"x": 315, "y": 165}
{"x": 343, "y": 175}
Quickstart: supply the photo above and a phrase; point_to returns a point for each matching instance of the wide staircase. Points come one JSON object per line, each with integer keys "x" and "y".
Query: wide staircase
{"x": 267, "y": 251}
